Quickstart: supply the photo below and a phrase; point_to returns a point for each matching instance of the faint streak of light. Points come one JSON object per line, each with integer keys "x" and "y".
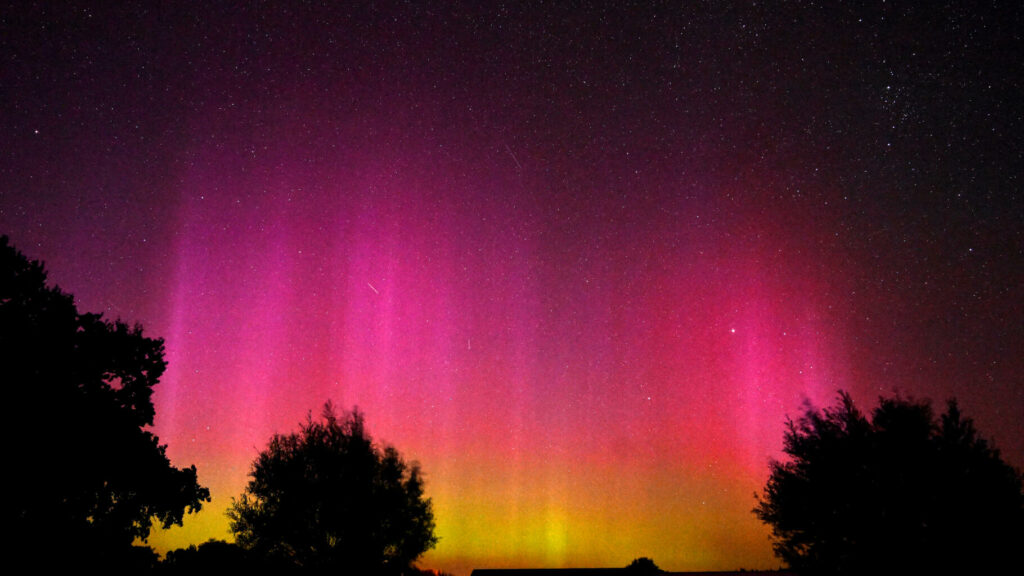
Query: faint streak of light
{"x": 372, "y": 288}
{"x": 513, "y": 155}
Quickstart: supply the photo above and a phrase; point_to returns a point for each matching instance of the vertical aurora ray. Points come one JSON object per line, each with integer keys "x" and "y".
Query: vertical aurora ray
{"x": 575, "y": 395}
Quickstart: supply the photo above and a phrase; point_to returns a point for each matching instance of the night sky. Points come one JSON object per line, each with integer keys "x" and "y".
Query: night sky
{"x": 580, "y": 263}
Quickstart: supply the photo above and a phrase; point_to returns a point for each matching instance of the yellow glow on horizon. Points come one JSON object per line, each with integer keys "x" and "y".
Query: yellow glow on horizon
{"x": 541, "y": 514}
{"x": 684, "y": 520}
{"x": 209, "y": 523}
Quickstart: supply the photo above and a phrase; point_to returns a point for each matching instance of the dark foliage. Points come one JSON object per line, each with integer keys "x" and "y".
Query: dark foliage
{"x": 903, "y": 492}
{"x": 326, "y": 498}
{"x": 211, "y": 557}
{"x": 80, "y": 465}
{"x": 643, "y": 566}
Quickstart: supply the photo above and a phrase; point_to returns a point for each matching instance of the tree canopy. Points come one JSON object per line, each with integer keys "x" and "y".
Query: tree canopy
{"x": 327, "y": 498}
{"x": 903, "y": 492}
{"x": 81, "y": 466}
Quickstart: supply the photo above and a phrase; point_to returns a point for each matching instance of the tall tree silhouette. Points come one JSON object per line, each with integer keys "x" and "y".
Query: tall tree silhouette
{"x": 903, "y": 492}
{"x": 327, "y": 498}
{"x": 80, "y": 466}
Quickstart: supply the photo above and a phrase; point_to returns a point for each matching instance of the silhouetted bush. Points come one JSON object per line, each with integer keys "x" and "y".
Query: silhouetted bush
{"x": 79, "y": 465}
{"x": 210, "y": 557}
{"x": 899, "y": 493}
{"x": 326, "y": 498}
{"x": 643, "y": 566}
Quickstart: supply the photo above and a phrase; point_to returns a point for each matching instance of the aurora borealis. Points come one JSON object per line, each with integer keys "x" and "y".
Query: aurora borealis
{"x": 579, "y": 262}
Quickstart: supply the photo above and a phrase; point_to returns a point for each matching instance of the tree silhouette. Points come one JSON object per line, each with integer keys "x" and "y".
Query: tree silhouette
{"x": 899, "y": 493}
{"x": 327, "y": 498}
{"x": 79, "y": 464}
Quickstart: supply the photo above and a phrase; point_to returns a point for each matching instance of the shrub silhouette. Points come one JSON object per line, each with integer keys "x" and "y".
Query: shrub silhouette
{"x": 899, "y": 493}
{"x": 643, "y": 565}
{"x": 326, "y": 498}
{"x": 80, "y": 465}
{"x": 210, "y": 557}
